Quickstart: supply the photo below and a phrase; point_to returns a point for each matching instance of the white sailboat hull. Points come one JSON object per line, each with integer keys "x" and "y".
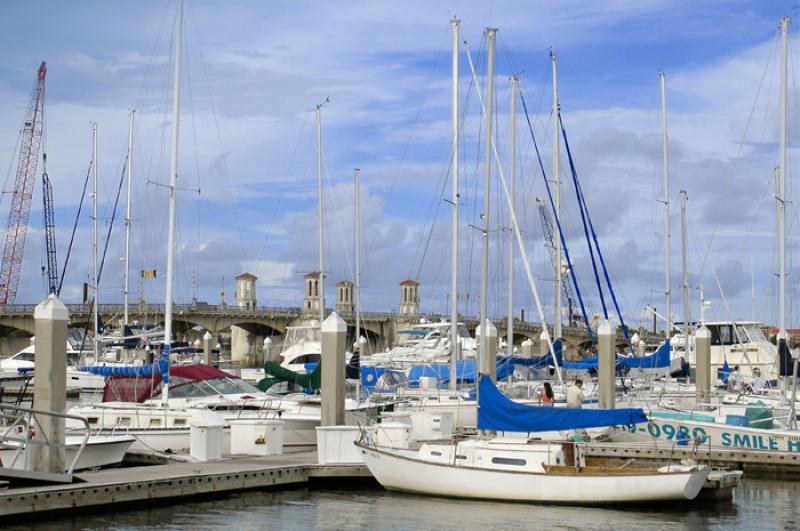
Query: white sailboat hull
{"x": 402, "y": 473}
{"x": 100, "y": 451}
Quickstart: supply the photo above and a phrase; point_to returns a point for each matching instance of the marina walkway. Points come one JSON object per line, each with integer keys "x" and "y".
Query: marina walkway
{"x": 175, "y": 480}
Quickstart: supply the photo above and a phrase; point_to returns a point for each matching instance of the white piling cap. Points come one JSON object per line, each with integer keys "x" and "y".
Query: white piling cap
{"x": 635, "y": 339}
{"x": 604, "y": 329}
{"x": 196, "y": 342}
{"x": 333, "y": 323}
{"x": 362, "y": 340}
{"x": 543, "y": 335}
{"x": 527, "y": 342}
{"x": 267, "y": 341}
{"x": 491, "y": 329}
{"x": 51, "y": 309}
{"x": 702, "y": 333}
{"x": 207, "y": 336}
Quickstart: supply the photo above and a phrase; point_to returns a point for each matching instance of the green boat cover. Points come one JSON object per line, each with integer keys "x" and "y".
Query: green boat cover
{"x": 279, "y": 374}
{"x": 759, "y": 417}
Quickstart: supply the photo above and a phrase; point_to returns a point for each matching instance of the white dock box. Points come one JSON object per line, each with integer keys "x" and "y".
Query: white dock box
{"x": 431, "y": 425}
{"x": 205, "y": 436}
{"x": 335, "y": 445}
{"x": 256, "y": 437}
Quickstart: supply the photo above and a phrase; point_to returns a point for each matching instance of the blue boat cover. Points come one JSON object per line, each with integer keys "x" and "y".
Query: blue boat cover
{"x": 656, "y": 360}
{"x": 159, "y": 366}
{"x": 544, "y": 360}
{"x": 584, "y": 365}
{"x": 370, "y": 375}
{"x": 465, "y": 370}
{"x": 499, "y": 413}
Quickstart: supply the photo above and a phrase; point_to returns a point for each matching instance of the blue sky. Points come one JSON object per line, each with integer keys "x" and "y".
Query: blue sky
{"x": 253, "y": 70}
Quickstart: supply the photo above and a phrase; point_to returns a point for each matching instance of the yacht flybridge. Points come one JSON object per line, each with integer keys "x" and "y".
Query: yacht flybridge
{"x": 424, "y": 343}
{"x": 735, "y": 343}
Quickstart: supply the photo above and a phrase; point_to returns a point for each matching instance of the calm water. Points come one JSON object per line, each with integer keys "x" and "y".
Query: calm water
{"x": 756, "y": 505}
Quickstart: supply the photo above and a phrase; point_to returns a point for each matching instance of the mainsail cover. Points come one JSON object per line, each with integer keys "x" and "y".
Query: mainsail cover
{"x": 499, "y": 413}
{"x": 657, "y": 360}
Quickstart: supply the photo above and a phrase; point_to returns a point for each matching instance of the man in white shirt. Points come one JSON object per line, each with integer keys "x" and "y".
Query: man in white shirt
{"x": 757, "y": 383}
{"x": 575, "y": 394}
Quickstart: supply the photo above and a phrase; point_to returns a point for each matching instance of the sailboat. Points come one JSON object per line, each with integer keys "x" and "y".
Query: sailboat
{"x": 532, "y": 469}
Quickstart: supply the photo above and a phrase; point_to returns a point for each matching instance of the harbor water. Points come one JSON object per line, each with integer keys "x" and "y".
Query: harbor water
{"x": 757, "y": 504}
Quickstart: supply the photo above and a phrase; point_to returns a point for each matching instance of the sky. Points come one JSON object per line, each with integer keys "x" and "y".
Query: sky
{"x": 252, "y": 73}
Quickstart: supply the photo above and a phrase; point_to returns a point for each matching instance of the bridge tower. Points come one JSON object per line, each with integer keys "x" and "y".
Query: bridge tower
{"x": 311, "y": 297}
{"x": 244, "y": 343}
{"x": 409, "y": 297}
{"x": 344, "y": 297}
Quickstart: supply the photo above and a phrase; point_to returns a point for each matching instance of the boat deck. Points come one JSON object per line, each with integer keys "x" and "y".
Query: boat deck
{"x": 175, "y": 480}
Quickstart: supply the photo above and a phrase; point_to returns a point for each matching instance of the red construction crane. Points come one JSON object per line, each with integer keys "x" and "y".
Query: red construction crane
{"x": 17, "y": 226}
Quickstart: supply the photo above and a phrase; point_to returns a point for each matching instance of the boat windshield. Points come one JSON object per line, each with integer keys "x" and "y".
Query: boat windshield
{"x": 215, "y": 386}
{"x": 296, "y": 336}
{"x": 754, "y": 333}
{"x": 25, "y": 356}
{"x": 231, "y": 386}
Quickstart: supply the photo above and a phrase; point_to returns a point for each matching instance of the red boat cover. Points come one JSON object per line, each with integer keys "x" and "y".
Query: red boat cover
{"x": 139, "y": 389}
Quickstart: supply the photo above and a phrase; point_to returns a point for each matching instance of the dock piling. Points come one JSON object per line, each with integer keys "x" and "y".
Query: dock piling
{"x": 606, "y": 366}
{"x": 334, "y": 338}
{"x": 702, "y": 349}
{"x": 50, "y": 383}
{"x": 208, "y": 355}
{"x": 488, "y": 362}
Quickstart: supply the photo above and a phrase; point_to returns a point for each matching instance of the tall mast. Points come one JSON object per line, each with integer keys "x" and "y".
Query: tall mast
{"x": 176, "y": 113}
{"x": 358, "y": 257}
{"x": 685, "y": 255}
{"x": 780, "y": 199}
{"x": 667, "y": 288}
{"x": 95, "y": 313}
{"x": 511, "y": 242}
{"x": 781, "y": 214}
{"x": 454, "y": 243}
{"x": 126, "y": 282}
{"x": 319, "y": 214}
{"x": 557, "y": 200}
{"x": 484, "y": 314}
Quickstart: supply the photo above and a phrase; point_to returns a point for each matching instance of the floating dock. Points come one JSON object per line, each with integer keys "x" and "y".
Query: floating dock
{"x": 133, "y": 485}
{"x": 754, "y": 463}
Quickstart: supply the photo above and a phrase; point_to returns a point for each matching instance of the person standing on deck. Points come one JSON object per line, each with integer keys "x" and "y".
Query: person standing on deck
{"x": 575, "y": 395}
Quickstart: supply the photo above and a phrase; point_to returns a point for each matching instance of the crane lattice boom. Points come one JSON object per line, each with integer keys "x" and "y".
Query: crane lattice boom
{"x": 18, "y": 217}
{"x": 50, "y": 233}
{"x": 547, "y": 229}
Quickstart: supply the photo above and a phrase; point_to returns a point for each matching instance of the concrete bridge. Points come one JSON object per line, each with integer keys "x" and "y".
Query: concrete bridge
{"x": 249, "y": 326}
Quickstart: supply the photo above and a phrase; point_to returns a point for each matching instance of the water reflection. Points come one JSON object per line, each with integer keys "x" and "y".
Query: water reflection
{"x": 756, "y": 505}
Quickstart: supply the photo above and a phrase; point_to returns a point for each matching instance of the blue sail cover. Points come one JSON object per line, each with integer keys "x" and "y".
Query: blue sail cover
{"x": 544, "y": 360}
{"x": 657, "y": 360}
{"x": 159, "y": 366}
{"x": 497, "y": 412}
{"x": 583, "y": 365}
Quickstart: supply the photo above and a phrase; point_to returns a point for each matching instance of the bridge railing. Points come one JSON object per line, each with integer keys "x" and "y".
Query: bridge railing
{"x": 261, "y": 311}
